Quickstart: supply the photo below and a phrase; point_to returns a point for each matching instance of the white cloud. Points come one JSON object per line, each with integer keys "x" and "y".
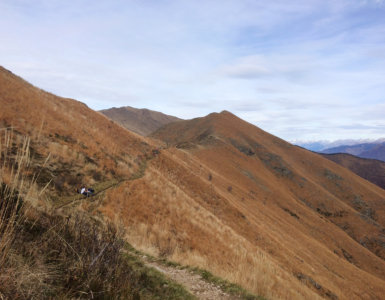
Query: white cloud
{"x": 298, "y": 69}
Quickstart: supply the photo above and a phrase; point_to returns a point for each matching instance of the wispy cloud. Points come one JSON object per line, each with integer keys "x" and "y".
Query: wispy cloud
{"x": 299, "y": 69}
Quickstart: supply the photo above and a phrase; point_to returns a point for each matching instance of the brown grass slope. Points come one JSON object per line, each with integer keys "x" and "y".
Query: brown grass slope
{"x": 83, "y": 146}
{"x": 371, "y": 169}
{"x": 48, "y": 254}
{"x": 318, "y": 221}
{"x": 141, "y": 121}
{"x": 71, "y": 144}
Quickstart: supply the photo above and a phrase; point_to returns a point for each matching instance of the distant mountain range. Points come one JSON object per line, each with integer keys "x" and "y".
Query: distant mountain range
{"x": 320, "y": 146}
{"x": 141, "y": 121}
{"x": 367, "y": 150}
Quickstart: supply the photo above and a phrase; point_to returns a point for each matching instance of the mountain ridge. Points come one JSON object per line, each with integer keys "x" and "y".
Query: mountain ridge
{"x": 365, "y": 150}
{"x": 209, "y": 142}
{"x": 141, "y": 121}
{"x": 320, "y": 145}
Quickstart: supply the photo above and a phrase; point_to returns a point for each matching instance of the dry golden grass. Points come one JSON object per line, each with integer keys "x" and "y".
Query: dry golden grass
{"x": 177, "y": 210}
{"x": 295, "y": 205}
{"x": 46, "y": 255}
{"x": 175, "y": 226}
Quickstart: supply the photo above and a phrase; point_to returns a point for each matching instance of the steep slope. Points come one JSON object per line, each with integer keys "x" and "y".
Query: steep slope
{"x": 320, "y": 222}
{"x": 366, "y": 150}
{"x": 371, "y": 169}
{"x": 141, "y": 121}
{"x": 70, "y": 144}
{"x": 83, "y": 146}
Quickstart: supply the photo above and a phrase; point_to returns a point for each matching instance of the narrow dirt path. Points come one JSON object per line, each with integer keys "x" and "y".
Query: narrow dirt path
{"x": 192, "y": 282}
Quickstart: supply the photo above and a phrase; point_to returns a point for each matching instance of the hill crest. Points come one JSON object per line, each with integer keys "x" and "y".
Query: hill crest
{"x": 141, "y": 121}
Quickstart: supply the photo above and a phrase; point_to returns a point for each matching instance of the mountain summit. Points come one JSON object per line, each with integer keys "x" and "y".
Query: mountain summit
{"x": 141, "y": 121}
{"x": 290, "y": 197}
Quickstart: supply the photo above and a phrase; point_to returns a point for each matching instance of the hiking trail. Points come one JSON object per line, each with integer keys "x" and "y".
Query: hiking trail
{"x": 194, "y": 283}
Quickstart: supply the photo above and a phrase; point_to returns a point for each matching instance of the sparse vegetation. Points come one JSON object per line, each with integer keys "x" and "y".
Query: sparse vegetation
{"x": 331, "y": 175}
{"x": 291, "y": 213}
{"x": 275, "y": 163}
{"x": 242, "y": 148}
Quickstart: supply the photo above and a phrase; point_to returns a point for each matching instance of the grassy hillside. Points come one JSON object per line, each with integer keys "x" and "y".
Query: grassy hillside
{"x": 83, "y": 146}
{"x": 215, "y": 193}
{"x": 54, "y": 242}
{"x": 46, "y": 254}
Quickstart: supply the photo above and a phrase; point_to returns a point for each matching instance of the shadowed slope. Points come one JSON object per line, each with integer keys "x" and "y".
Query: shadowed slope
{"x": 141, "y": 121}
{"x": 371, "y": 169}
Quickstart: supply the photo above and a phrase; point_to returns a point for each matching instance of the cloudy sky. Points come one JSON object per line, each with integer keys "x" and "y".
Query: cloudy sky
{"x": 300, "y": 69}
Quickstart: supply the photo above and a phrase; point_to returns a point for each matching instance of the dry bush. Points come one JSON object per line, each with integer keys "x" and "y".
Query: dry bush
{"x": 72, "y": 257}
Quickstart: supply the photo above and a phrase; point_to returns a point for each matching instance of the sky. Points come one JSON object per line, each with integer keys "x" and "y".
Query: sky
{"x": 301, "y": 69}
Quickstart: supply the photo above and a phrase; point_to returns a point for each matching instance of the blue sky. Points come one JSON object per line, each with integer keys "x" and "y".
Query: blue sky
{"x": 302, "y": 70}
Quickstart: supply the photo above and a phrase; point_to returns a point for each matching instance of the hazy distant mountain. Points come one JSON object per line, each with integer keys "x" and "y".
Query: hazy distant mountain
{"x": 371, "y": 169}
{"x": 141, "y": 121}
{"x": 313, "y": 146}
{"x": 367, "y": 150}
{"x": 322, "y": 145}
